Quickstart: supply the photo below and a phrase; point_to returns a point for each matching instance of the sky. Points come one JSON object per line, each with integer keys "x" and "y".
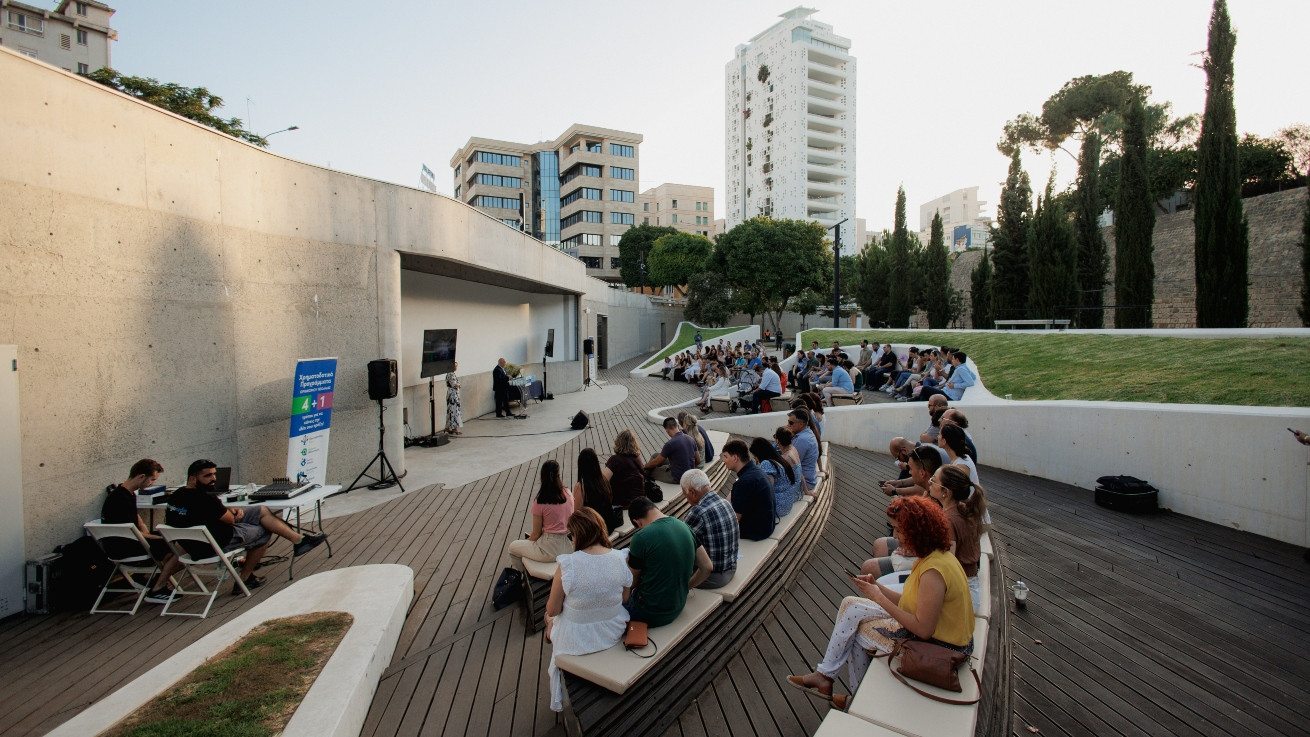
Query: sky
{"x": 378, "y": 89}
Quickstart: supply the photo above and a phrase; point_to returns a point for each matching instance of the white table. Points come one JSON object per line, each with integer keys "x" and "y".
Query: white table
{"x": 313, "y": 496}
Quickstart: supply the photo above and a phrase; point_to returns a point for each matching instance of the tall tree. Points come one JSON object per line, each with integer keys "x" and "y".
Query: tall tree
{"x": 870, "y": 292}
{"x": 675, "y": 257}
{"x": 937, "y": 271}
{"x": 708, "y": 300}
{"x": 980, "y": 293}
{"x": 768, "y": 262}
{"x": 1305, "y": 261}
{"x": 1092, "y": 261}
{"x": 1010, "y": 244}
{"x": 196, "y": 103}
{"x": 1221, "y": 232}
{"x": 1052, "y": 257}
{"x": 634, "y": 247}
{"x": 1134, "y": 224}
{"x": 900, "y": 302}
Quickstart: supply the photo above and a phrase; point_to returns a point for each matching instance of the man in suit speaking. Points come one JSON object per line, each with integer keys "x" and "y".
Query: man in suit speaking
{"x": 500, "y": 385}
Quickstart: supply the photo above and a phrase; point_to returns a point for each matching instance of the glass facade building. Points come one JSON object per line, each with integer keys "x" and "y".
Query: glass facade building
{"x": 545, "y": 192}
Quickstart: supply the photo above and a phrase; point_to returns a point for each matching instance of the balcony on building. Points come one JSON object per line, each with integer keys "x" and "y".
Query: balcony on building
{"x": 823, "y": 189}
{"x": 824, "y": 123}
{"x": 820, "y": 139}
{"x": 823, "y": 90}
{"x": 819, "y": 173}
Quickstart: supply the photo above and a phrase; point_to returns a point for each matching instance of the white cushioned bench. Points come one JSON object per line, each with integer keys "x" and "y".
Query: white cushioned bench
{"x": 985, "y": 542}
{"x": 616, "y": 669}
{"x": 984, "y": 604}
{"x": 783, "y": 525}
{"x": 886, "y": 702}
{"x": 540, "y": 569}
{"x": 751, "y": 555}
{"x": 840, "y": 724}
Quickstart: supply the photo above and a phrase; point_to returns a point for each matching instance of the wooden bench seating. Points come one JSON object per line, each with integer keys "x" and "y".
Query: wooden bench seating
{"x": 784, "y": 525}
{"x": 609, "y": 695}
{"x": 841, "y": 724}
{"x": 846, "y": 400}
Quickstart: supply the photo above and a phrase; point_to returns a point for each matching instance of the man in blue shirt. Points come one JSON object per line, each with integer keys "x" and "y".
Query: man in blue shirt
{"x": 676, "y": 457}
{"x": 961, "y": 378}
{"x": 841, "y": 381}
{"x": 770, "y": 386}
{"x": 752, "y": 495}
{"x": 803, "y": 440}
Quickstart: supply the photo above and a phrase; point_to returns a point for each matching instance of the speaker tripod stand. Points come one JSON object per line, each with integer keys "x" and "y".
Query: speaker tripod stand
{"x": 386, "y": 477}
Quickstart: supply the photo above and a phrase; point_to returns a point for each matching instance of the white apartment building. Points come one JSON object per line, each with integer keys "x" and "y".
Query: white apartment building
{"x": 687, "y": 207}
{"x": 790, "y": 125}
{"x": 962, "y": 220}
{"x": 75, "y": 35}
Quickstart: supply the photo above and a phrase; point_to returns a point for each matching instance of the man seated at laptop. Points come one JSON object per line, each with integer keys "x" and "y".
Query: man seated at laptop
{"x": 239, "y": 527}
{"x": 120, "y": 508}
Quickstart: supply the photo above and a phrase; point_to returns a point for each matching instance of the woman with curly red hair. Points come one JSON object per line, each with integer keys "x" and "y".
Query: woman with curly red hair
{"x": 935, "y": 604}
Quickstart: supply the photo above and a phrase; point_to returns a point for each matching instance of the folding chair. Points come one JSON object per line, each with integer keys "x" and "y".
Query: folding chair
{"x": 138, "y": 561}
{"x": 218, "y": 564}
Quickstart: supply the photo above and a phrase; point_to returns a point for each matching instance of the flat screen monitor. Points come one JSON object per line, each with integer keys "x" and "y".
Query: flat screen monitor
{"x": 438, "y": 352}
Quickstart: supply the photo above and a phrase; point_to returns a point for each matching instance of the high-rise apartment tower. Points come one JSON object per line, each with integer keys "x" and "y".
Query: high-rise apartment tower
{"x": 790, "y": 128}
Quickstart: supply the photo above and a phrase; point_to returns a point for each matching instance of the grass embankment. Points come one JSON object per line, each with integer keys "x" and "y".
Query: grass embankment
{"x": 1263, "y": 372}
{"x": 686, "y": 337}
{"x": 249, "y": 690}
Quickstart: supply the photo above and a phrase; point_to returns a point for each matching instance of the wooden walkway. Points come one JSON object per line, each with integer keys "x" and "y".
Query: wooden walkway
{"x": 1160, "y": 625}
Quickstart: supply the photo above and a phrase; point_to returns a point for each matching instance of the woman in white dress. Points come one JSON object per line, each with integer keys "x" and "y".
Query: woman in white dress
{"x": 585, "y": 613}
{"x": 454, "y": 413}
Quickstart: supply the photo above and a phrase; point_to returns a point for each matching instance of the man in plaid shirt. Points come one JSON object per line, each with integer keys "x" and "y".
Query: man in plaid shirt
{"x": 714, "y": 523}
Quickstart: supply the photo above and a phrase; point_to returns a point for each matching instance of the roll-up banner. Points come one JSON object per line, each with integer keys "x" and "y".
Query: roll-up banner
{"x": 311, "y": 420}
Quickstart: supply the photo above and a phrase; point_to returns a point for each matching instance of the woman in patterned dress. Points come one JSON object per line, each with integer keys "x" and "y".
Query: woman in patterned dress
{"x": 454, "y": 415}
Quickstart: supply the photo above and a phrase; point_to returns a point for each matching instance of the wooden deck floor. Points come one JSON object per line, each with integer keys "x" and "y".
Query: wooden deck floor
{"x": 1160, "y": 625}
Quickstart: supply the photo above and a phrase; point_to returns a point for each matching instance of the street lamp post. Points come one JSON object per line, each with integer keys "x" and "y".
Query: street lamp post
{"x": 284, "y": 130}
{"x": 836, "y": 273}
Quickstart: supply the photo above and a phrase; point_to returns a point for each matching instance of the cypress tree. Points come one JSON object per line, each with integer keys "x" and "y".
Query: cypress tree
{"x": 1009, "y": 244}
{"x": 1221, "y": 233}
{"x": 980, "y": 294}
{"x": 937, "y": 267}
{"x": 900, "y": 286}
{"x": 1052, "y": 257}
{"x": 1091, "y": 244}
{"x": 1134, "y": 223}
{"x": 1305, "y": 261}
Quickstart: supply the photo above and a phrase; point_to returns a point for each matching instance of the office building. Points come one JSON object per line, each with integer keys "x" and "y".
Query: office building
{"x": 790, "y": 127}
{"x": 683, "y": 206}
{"x": 577, "y": 193}
{"x": 963, "y": 222}
{"x": 75, "y": 35}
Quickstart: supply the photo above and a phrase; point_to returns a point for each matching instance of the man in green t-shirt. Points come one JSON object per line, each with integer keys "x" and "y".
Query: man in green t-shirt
{"x": 665, "y": 562}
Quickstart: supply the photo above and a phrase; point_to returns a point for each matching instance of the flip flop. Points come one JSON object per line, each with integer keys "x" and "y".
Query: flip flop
{"x": 840, "y": 702}
{"x": 798, "y": 682}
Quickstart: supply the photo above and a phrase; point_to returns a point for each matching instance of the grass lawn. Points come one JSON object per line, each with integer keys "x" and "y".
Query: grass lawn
{"x": 686, "y": 337}
{"x": 1264, "y": 372}
{"x": 249, "y": 690}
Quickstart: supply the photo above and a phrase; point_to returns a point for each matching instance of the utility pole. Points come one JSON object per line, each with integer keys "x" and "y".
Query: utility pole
{"x": 836, "y": 274}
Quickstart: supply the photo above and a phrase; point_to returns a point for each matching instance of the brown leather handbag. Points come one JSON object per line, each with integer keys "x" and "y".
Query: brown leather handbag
{"x": 934, "y": 665}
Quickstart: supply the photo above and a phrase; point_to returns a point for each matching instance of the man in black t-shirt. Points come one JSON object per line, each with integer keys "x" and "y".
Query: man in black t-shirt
{"x": 239, "y": 527}
{"x": 120, "y": 508}
{"x": 752, "y": 495}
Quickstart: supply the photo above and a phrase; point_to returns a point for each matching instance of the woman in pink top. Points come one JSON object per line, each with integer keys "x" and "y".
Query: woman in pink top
{"x": 550, "y": 521}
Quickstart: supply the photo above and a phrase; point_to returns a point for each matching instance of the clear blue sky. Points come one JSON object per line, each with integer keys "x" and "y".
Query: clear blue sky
{"x": 378, "y": 88}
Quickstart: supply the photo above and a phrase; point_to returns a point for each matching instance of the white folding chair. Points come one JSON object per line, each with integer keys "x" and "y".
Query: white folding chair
{"x": 217, "y": 564}
{"x": 137, "y": 561}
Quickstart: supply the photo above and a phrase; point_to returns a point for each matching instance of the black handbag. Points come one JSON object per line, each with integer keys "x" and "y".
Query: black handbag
{"x": 654, "y": 491}
{"x": 508, "y": 589}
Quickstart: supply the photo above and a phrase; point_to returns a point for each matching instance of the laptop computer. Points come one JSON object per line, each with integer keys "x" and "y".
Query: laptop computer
{"x": 222, "y": 481}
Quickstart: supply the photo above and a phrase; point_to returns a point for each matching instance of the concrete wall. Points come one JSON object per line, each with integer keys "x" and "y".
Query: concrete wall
{"x": 1234, "y": 466}
{"x": 633, "y": 322}
{"x": 160, "y": 280}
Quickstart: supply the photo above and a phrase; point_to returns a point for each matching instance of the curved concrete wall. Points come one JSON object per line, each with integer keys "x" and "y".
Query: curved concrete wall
{"x": 160, "y": 279}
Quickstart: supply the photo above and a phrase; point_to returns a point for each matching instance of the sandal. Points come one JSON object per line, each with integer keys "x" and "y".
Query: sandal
{"x": 815, "y": 691}
{"x": 841, "y": 702}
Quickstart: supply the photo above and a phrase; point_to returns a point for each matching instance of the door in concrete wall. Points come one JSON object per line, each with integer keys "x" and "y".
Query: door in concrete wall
{"x": 602, "y": 341}
{"x": 664, "y": 340}
{"x": 12, "y": 553}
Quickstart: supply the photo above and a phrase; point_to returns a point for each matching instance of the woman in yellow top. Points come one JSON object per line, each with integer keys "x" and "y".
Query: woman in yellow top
{"x": 935, "y": 604}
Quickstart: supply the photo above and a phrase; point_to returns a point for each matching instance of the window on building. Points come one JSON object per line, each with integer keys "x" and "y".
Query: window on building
{"x": 645, "y": 207}
{"x": 674, "y": 221}
{"x": 675, "y": 205}
{"x": 504, "y": 203}
{"x": 619, "y": 172}
{"x": 81, "y": 36}
{"x": 457, "y": 170}
{"x": 511, "y": 222}
{"x": 496, "y": 180}
{"x": 583, "y": 239}
{"x": 580, "y": 170}
{"x": 614, "y": 262}
{"x": 622, "y": 195}
{"x": 594, "y": 147}
{"x": 79, "y": 8}
{"x": 83, "y": 68}
{"x": 622, "y": 218}
{"x": 27, "y": 24}
{"x": 489, "y": 157}
{"x": 591, "y": 262}
{"x": 645, "y": 221}
{"x": 581, "y": 216}
{"x": 614, "y": 240}
{"x": 457, "y": 191}
{"x": 581, "y": 193}
{"x": 618, "y": 149}
{"x": 65, "y": 41}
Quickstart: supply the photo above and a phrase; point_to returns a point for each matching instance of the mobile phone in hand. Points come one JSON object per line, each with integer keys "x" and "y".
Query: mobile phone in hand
{"x": 848, "y": 573}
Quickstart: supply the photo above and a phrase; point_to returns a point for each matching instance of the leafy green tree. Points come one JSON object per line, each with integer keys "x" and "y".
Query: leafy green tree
{"x": 768, "y": 262}
{"x": 937, "y": 295}
{"x": 1221, "y": 231}
{"x": 900, "y": 302}
{"x": 634, "y": 246}
{"x": 708, "y": 300}
{"x": 1052, "y": 257}
{"x": 980, "y": 293}
{"x": 873, "y": 269}
{"x": 807, "y": 304}
{"x": 196, "y": 103}
{"x": 675, "y": 257}
{"x": 1010, "y": 244}
{"x": 1305, "y": 262}
{"x": 1134, "y": 225}
{"x": 1092, "y": 255}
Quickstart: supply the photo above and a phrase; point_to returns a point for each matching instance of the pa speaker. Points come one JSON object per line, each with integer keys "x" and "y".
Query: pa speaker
{"x": 550, "y": 343}
{"x": 581, "y": 420}
{"x": 383, "y": 379}
{"x": 588, "y": 347}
